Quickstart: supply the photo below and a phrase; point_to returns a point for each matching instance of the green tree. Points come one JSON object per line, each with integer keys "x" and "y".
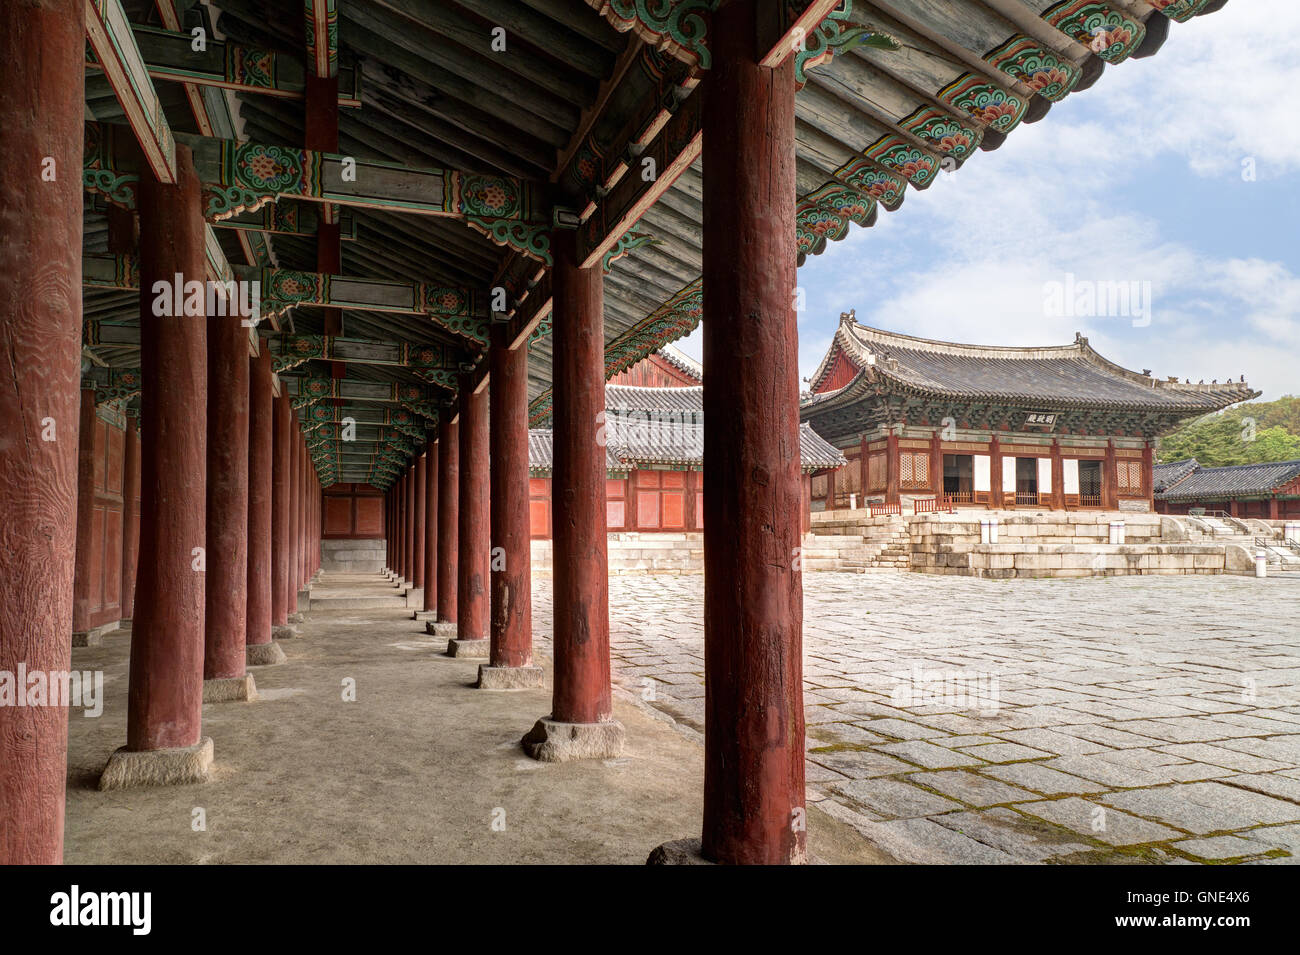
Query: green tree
{"x": 1252, "y": 433}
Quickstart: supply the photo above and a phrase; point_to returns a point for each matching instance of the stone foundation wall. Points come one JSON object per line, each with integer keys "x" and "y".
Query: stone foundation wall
{"x": 1037, "y": 544}
{"x": 669, "y": 553}
{"x": 352, "y": 556}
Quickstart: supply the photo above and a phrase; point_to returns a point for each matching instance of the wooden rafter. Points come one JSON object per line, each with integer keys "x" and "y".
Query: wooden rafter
{"x": 113, "y": 43}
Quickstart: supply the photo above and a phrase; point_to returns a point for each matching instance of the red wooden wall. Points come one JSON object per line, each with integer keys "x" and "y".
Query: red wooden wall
{"x": 642, "y": 501}
{"x": 655, "y": 372}
{"x": 352, "y": 511}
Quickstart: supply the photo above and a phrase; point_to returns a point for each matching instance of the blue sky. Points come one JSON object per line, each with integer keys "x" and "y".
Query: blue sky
{"x": 1138, "y": 179}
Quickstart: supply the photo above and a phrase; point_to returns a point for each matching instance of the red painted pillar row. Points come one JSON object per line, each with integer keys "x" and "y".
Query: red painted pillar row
{"x": 261, "y": 456}
{"x": 42, "y": 51}
{"x": 130, "y": 514}
{"x": 167, "y": 648}
{"x": 511, "y": 604}
{"x": 82, "y": 581}
{"x": 304, "y": 489}
{"x": 448, "y": 515}
{"x": 293, "y": 542}
{"x": 282, "y": 415}
{"x": 431, "y": 530}
{"x": 473, "y": 531}
{"x": 420, "y": 471}
{"x": 581, "y": 702}
{"x": 399, "y": 525}
{"x": 408, "y": 539}
{"x": 753, "y": 589}
{"x": 226, "y": 607}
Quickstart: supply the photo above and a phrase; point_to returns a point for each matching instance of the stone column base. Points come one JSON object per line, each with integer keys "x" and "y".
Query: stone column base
{"x": 508, "y": 678}
{"x": 440, "y": 628}
{"x": 285, "y": 632}
{"x": 425, "y": 615}
{"x": 470, "y": 649}
{"x": 158, "y": 767}
{"x": 304, "y": 600}
{"x": 234, "y": 689}
{"x": 263, "y": 654}
{"x": 679, "y": 852}
{"x": 295, "y": 617}
{"x": 94, "y": 637}
{"x": 553, "y": 742}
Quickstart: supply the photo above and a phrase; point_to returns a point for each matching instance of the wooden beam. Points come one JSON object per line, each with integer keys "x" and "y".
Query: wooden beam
{"x": 322, "y": 31}
{"x": 672, "y": 151}
{"x": 242, "y": 177}
{"x": 168, "y": 54}
{"x": 288, "y": 218}
{"x": 789, "y": 27}
{"x": 113, "y": 43}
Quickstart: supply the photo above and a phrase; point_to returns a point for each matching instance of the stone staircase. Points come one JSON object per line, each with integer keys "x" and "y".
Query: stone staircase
{"x": 1246, "y": 533}
{"x": 886, "y": 547}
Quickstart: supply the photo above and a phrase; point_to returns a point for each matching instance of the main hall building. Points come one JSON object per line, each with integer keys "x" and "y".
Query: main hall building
{"x": 928, "y": 424}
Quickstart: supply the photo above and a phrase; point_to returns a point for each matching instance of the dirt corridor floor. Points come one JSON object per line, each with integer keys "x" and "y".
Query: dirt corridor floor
{"x": 420, "y": 768}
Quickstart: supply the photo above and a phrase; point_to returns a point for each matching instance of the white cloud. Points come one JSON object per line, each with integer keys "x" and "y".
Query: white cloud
{"x": 967, "y": 259}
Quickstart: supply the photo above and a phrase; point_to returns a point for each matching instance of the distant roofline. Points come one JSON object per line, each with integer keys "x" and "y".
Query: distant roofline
{"x": 852, "y": 338}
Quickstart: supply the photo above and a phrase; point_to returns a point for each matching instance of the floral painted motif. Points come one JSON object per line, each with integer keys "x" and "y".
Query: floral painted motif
{"x": 1108, "y": 33}
{"x": 917, "y": 166}
{"x": 489, "y": 196}
{"x": 880, "y": 184}
{"x": 947, "y": 135}
{"x": 1044, "y": 72}
{"x": 990, "y": 104}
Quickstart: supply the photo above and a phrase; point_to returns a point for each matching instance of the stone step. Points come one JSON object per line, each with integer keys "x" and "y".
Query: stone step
{"x": 355, "y": 603}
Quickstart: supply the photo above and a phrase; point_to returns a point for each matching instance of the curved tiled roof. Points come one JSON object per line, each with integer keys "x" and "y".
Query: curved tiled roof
{"x": 1165, "y": 476}
{"x": 1065, "y": 375}
{"x": 681, "y": 361}
{"x": 1239, "y": 479}
{"x": 635, "y": 441}
{"x": 688, "y": 400}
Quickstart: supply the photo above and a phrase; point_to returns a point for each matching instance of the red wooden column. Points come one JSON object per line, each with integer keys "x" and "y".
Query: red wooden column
{"x": 430, "y": 605}
{"x": 408, "y": 539}
{"x": 1058, "y": 477}
{"x": 42, "y": 52}
{"x": 294, "y": 541}
{"x": 226, "y": 607}
{"x": 995, "y": 472}
{"x": 130, "y": 514}
{"x": 304, "y": 530}
{"x": 1109, "y": 479}
{"x": 581, "y": 722}
{"x": 753, "y": 588}
{"x": 260, "y": 649}
{"x": 448, "y": 523}
{"x": 1148, "y": 481}
{"x": 417, "y": 526}
{"x": 511, "y": 663}
{"x": 283, "y": 437}
{"x": 165, "y": 700}
{"x": 83, "y": 634}
{"x": 399, "y": 516}
{"x": 474, "y": 530}
{"x": 936, "y": 465}
{"x": 891, "y": 467}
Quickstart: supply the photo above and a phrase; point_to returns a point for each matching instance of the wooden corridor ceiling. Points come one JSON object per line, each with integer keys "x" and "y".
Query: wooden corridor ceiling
{"x": 548, "y": 111}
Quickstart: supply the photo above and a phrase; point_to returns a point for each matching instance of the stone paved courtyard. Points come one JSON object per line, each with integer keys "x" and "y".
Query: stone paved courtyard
{"x": 950, "y": 719}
